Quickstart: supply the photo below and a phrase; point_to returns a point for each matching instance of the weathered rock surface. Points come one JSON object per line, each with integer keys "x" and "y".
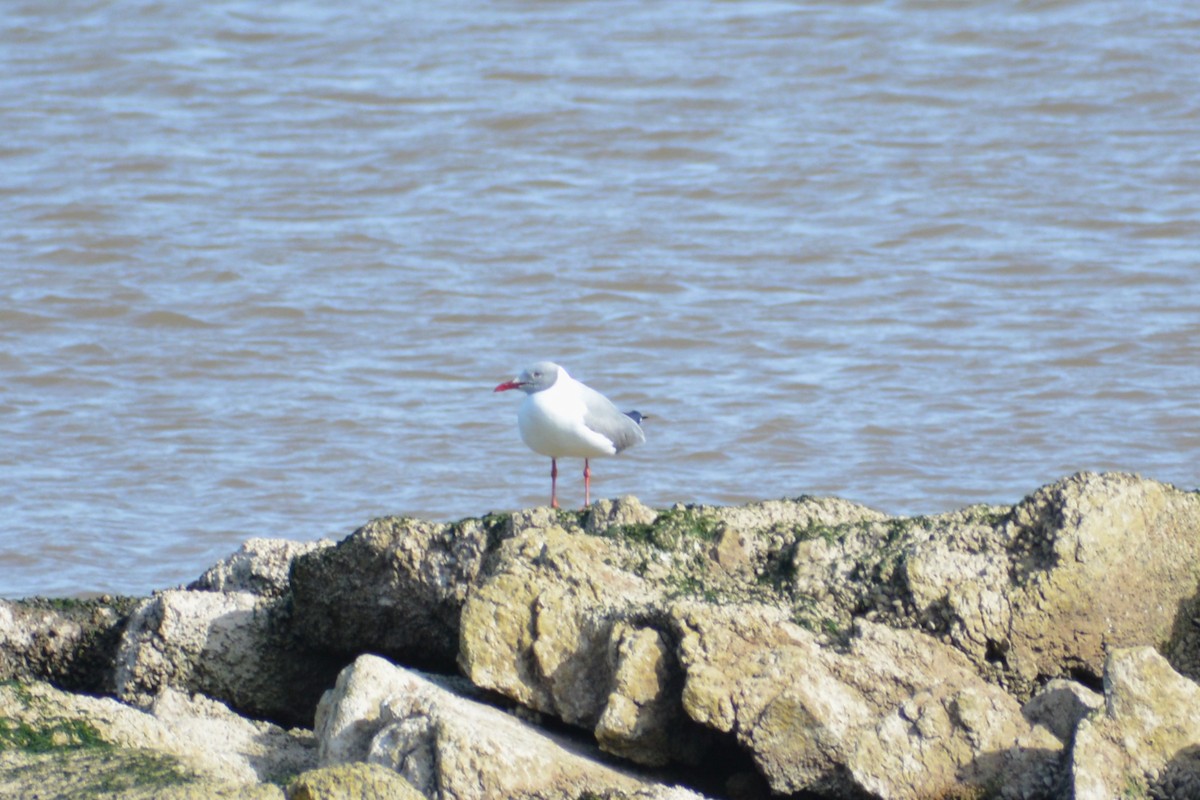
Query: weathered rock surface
{"x": 650, "y": 648}
{"x": 236, "y": 646}
{"x": 1060, "y": 706}
{"x": 1031, "y": 592}
{"x": 448, "y": 746}
{"x": 57, "y": 742}
{"x": 575, "y": 626}
{"x": 794, "y": 646}
{"x": 355, "y": 781}
{"x": 539, "y": 627}
{"x": 394, "y": 587}
{"x": 895, "y": 714}
{"x": 1146, "y": 741}
{"x": 71, "y": 642}
{"x": 260, "y": 566}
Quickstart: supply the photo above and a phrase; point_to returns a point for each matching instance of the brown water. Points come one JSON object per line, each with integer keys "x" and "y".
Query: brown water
{"x": 263, "y": 263}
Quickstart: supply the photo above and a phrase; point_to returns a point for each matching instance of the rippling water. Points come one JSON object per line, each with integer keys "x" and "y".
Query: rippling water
{"x": 263, "y": 263}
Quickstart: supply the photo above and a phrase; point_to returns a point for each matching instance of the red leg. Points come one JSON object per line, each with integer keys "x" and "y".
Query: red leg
{"x": 553, "y": 483}
{"x": 587, "y": 484}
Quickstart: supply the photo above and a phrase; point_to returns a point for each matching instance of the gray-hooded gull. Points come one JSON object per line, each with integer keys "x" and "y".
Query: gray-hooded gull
{"x": 562, "y": 418}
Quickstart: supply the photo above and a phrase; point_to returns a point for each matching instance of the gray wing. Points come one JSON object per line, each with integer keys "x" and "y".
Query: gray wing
{"x": 608, "y": 421}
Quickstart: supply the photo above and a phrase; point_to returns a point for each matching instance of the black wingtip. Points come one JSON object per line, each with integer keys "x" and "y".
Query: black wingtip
{"x": 637, "y": 416}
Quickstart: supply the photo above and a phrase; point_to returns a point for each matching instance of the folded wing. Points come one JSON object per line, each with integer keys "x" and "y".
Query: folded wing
{"x": 607, "y": 420}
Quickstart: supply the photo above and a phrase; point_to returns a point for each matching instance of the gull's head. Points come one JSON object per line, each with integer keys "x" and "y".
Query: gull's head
{"x": 534, "y": 378}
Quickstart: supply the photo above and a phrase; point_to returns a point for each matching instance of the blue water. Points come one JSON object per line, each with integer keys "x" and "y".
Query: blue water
{"x": 264, "y": 264}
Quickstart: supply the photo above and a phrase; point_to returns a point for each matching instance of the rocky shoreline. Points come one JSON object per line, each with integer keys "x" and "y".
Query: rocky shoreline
{"x": 809, "y": 648}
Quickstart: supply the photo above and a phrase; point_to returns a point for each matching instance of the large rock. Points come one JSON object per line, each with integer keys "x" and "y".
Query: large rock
{"x": 895, "y": 714}
{"x": 1100, "y": 562}
{"x": 538, "y": 626}
{"x": 395, "y": 586}
{"x": 258, "y": 566}
{"x": 658, "y": 646}
{"x": 448, "y": 746}
{"x": 57, "y": 744}
{"x": 835, "y": 649}
{"x": 70, "y": 642}
{"x": 538, "y": 629}
{"x": 1039, "y": 590}
{"x": 235, "y": 646}
{"x": 1146, "y": 741}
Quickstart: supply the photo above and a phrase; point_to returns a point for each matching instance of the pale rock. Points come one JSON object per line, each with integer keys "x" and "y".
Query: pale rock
{"x": 447, "y": 746}
{"x": 605, "y": 515}
{"x": 259, "y": 566}
{"x": 176, "y": 633}
{"x": 1146, "y": 737}
{"x": 1060, "y": 705}
{"x": 797, "y": 513}
{"x": 751, "y": 672}
{"x": 354, "y": 781}
{"x": 538, "y": 629}
{"x": 1102, "y": 562}
{"x": 348, "y": 716}
{"x": 896, "y": 714}
{"x": 204, "y": 736}
{"x": 1083, "y": 565}
{"x": 234, "y": 646}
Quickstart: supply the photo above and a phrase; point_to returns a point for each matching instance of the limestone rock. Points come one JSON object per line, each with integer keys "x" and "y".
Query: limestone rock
{"x": 752, "y": 673}
{"x": 893, "y": 713}
{"x": 841, "y": 651}
{"x": 234, "y": 646}
{"x": 1101, "y": 562}
{"x": 572, "y": 625}
{"x": 538, "y": 629}
{"x": 1060, "y": 706}
{"x": 355, "y": 781}
{"x": 395, "y": 586}
{"x": 606, "y": 515}
{"x": 1147, "y": 737}
{"x": 447, "y": 746}
{"x": 259, "y": 566}
{"x": 642, "y": 719}
{"x": 1038, "y": 590}
{"x": 641, "y": 635}
{"x": 69, "y": 642}
{"x": 181, "y": 740}
{"x": 792, "y": 515}
{"x": 348, "y": 716}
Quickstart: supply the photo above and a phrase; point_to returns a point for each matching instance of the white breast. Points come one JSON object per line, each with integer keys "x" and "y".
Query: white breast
{"x": 551, "y": 423}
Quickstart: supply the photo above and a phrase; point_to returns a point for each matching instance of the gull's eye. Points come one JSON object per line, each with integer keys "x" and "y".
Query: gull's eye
{"x": 537, "y": 374}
